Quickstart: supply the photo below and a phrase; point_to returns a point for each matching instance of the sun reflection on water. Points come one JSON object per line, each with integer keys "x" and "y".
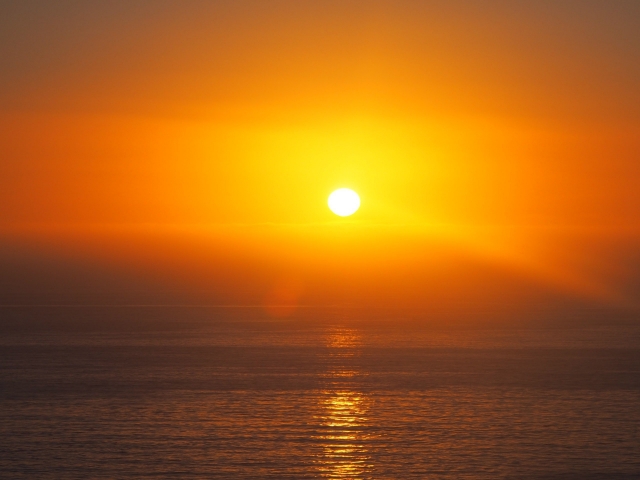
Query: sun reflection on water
{"x": 344, "y": 420}
{"x": 343, "y": 414}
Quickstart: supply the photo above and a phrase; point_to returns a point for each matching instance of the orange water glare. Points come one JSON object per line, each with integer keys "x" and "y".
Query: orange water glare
{"x": 343, "y": 413}
{"x": 344, "y": 453}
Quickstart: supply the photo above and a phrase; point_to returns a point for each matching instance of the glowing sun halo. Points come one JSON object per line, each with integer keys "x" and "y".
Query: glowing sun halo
{"x": 344, "y": 202}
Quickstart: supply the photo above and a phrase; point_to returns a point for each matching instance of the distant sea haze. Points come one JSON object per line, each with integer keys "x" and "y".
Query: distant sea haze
{"x": 200, "y": 395}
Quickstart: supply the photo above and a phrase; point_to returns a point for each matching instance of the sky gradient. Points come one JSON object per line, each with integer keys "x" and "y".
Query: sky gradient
{"x": 191, "y": 146}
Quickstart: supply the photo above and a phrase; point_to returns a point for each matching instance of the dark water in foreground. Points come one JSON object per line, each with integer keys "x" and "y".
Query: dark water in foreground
{"x": 325, "y": 399}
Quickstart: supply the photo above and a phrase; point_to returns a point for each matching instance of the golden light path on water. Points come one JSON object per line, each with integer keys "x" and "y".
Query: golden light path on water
{"x": 343, "y": 414}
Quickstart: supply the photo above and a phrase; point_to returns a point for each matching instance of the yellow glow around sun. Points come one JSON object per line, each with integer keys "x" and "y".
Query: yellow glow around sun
{"x": 344, "y": 202}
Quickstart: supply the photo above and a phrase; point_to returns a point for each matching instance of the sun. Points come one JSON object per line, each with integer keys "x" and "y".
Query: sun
{"x": 344, "y": 202}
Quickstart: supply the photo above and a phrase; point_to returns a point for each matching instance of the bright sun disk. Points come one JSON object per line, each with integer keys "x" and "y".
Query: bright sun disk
{"x": 344, "y": 202}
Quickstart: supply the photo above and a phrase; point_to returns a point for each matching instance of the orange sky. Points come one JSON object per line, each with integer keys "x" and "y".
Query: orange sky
{"x": 489, "y": 141}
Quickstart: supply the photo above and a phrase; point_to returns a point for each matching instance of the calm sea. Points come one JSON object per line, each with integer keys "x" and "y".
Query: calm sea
{"x": 143, "y": 392}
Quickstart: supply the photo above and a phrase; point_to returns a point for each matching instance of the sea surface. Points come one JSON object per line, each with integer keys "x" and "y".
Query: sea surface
{"x": 178, "y": 392}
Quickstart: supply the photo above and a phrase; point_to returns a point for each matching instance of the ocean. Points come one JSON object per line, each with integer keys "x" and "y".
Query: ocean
{"x": 198, "y": 392}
